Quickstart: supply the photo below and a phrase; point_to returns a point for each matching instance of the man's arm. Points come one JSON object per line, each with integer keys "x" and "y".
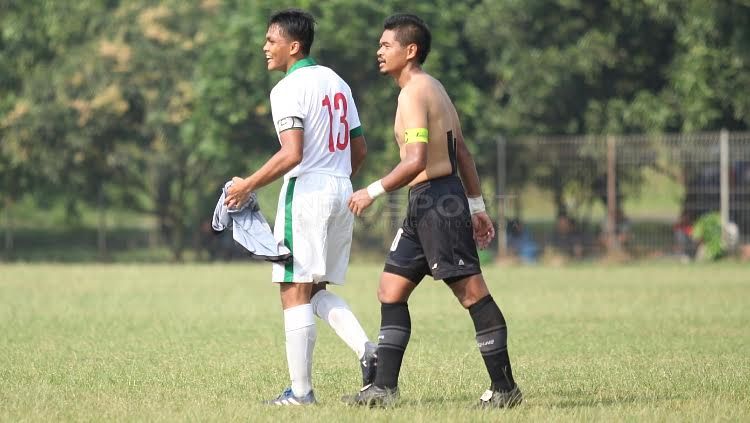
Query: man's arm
{"x": 467, "y": 169}
{"x": 413, "y": 163}
{"x": 412, "y": 109}
{"x": 484, "y": 230}
{"x": 358, "y": 146}
{"x": 289, "y": 156}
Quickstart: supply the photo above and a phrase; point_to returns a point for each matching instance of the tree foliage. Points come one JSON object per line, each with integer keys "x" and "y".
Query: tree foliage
{"x": 151, "y": 105}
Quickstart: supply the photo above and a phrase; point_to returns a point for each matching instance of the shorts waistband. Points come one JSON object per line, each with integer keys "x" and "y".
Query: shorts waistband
{"x": 428, "y": 183}
{"x": 315, "y": 174}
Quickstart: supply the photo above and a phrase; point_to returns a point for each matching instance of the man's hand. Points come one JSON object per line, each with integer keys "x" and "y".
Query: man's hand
{"x": 237, "y": 194}
{"x": 359, "y": 201}
{"x": 484, "y": 232}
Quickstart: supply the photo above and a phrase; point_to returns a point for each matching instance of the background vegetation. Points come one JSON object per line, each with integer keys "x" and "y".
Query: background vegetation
{"x": 141, "y": 109}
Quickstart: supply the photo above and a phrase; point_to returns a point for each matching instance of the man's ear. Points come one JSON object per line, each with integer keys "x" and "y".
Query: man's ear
{"x": 411, "y": 51}
{"x": 294, "y": 48}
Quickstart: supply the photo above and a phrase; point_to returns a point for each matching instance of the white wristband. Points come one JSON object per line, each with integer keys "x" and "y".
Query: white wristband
{"x": 375, "y": 189}
{"x": 476, "y": 204}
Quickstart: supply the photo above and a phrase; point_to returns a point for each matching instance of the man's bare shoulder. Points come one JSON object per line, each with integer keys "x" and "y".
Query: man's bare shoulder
{"x": 420, "y": 86}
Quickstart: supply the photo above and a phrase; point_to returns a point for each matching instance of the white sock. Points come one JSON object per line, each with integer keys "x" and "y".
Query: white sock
{"x": 299, "y": 324}
{"x": 334, "y": 310}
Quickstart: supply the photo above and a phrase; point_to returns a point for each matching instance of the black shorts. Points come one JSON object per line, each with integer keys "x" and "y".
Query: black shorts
{"x": 436, "y": 237}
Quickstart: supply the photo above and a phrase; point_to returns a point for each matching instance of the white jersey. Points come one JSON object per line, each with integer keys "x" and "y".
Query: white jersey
{"x": 323, "y": 101}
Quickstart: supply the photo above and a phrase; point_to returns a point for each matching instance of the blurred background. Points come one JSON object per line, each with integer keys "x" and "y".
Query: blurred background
{"x": 602, "y": 130}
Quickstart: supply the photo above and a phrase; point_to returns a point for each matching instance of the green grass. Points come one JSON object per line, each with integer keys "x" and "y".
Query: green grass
{"x": 205, "y": 343}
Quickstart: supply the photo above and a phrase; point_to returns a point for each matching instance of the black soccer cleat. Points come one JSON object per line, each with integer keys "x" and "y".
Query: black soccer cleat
{"x": 501, "y": 399}
{"x": 369, "y": 363}
{"x": 372, "y": 396}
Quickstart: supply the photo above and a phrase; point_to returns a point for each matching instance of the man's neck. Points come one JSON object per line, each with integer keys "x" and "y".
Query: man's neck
{"x": 407, "y": 72}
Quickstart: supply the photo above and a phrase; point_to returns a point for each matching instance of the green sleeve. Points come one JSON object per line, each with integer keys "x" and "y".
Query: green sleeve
{"x": 356, "y": 132}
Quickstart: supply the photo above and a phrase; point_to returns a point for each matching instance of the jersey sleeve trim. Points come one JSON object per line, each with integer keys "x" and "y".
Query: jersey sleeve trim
{"x": 356, "y": 132}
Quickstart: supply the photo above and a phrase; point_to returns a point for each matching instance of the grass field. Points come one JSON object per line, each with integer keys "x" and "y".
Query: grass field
{"x": 205, "y": 343}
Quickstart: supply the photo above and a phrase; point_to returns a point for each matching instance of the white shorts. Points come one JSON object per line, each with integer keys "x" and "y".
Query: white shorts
{"x": 315, "y": 223}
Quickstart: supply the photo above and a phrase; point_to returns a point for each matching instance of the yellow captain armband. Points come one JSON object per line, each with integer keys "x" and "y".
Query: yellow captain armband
{"x": 416, "y": 135}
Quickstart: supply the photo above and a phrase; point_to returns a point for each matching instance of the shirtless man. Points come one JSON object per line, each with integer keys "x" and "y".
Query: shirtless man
{"x": 443, "y": 227}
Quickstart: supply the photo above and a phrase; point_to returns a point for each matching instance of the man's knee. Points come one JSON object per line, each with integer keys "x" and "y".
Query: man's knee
{"x": 294, "y": 294}
{"x": 389, "y": 295}
{"x": 469, "y": 290}
{"x": 394, "y": 289}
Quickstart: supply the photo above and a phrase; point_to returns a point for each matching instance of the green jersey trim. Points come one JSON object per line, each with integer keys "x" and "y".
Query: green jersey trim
{"x": 307, "y": 61}
{"x": 356, "y": 132}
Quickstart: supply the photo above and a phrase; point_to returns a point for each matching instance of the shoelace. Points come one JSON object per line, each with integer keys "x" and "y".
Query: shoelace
{"x": 287, "y": 393}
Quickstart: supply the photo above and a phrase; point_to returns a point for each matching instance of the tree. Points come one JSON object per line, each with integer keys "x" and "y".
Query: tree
{"x": 569, "y": 67}
{"x": 35, "y": 33}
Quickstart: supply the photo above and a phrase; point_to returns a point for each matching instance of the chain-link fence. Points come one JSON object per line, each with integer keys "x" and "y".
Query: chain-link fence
{"x": 557, "y": 198}
{"x": 639, "y": 195}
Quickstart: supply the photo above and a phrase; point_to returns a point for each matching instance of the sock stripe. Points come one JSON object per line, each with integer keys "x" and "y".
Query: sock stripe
{"x": 494, "y": 351}
{"x": 489, "y": 330}
{"x": 397, "y": 328}
{"x": 391, "y": 346}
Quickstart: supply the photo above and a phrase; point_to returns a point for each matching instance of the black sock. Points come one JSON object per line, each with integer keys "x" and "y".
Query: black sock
{"x": 492, "y": 337}
{"x": 395, "y": 330}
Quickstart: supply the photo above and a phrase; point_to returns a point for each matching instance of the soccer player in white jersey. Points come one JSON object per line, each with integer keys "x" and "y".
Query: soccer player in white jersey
{"x": 322, "y": 145}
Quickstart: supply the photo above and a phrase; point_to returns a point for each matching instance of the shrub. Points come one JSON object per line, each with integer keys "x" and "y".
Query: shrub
{"x": 707, "y": 231}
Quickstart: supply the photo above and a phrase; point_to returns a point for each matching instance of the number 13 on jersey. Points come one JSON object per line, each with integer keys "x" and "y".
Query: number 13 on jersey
{"x": 339, "y": 104}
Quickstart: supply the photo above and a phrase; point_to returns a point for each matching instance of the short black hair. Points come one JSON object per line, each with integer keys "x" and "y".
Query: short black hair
{"x": 410, "y": 29}
{"x": 297, "y": 25}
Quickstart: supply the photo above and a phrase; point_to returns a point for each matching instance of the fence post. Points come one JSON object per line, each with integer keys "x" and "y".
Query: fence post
{"x": 8, "y": 228}
{"x": 101, "y": 227}
{"x": 613, "y": 242}
{"x": 502, "y": 241}
{"x": 724, "y": 180}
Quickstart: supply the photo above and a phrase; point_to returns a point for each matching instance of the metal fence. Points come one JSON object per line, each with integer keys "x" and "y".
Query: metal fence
{"x": 635, "y": 195}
